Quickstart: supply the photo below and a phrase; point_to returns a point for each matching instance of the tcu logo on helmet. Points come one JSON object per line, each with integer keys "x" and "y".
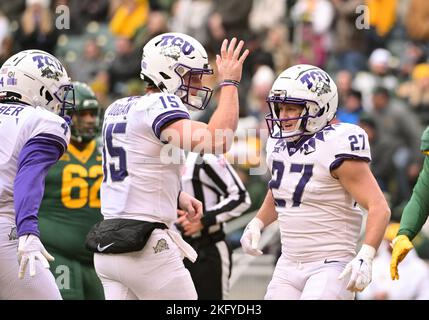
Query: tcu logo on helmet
{"x": 321, "y": 87}
{"x": 51, "y": 68}
{"x": 171, "y": 40}
{"x": 43, "y": 60}
{"x": 312, "y": 76}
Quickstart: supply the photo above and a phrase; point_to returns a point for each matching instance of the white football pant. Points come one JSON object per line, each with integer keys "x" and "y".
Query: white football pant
{"x": 40, "y": 287}
{"x": 155, "y": 273}
{"x": 294, "y": 280}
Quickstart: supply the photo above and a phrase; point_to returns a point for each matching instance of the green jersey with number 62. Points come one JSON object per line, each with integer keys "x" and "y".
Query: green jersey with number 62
{"x": 71, "y": 203}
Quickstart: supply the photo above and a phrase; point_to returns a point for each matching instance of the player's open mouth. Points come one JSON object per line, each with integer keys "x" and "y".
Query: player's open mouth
{"x": 287, "y": 126}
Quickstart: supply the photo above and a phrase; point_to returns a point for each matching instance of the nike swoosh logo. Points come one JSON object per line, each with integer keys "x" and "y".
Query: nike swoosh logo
{"x": 101, "y": 249}
{"x": 330, "y": 261}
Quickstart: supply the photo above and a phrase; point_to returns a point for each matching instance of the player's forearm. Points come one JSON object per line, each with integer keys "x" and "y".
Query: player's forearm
{"x": 267, "y": 213}
{"x": 224, "y": 120}
{"x": 378, "y": 218}
{"x": 417, "y": 209}
{"x": 226, "y": 114}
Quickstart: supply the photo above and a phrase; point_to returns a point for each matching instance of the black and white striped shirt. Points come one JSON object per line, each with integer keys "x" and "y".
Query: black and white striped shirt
{"x": 213, "y": 181}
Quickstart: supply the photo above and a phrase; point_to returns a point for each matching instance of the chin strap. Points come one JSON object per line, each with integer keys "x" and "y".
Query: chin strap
{"x": 12, "y": 97}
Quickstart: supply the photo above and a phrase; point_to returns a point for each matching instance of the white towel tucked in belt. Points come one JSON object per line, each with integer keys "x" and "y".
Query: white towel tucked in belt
{"x": 185, "y": 247}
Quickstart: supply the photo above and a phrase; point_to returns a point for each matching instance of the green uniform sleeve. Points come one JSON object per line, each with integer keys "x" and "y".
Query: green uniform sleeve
{"x": 424, "y": 147}
{"x": 417, "y": 209}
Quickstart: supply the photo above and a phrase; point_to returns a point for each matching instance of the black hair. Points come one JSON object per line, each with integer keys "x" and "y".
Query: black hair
{"x": 381, "y": 90}
{"x": 356, "y": 93}
{"x": 367, "y": 119}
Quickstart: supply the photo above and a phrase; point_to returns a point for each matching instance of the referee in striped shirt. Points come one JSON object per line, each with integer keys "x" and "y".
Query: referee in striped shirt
{"x": 213, "y": 181}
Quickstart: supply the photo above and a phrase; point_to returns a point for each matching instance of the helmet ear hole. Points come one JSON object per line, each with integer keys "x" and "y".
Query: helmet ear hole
{"x": 48, "y": 96}
{"x": 165, "y": 76}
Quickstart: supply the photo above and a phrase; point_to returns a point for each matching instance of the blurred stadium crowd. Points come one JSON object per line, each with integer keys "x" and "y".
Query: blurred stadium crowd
{"x": 376, "y": 50}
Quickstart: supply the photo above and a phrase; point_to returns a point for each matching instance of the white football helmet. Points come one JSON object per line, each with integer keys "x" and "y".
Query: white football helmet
{"x": 37, "y": 78}
{"x": 310, "y": 87}
{"x": 167, "y": 58}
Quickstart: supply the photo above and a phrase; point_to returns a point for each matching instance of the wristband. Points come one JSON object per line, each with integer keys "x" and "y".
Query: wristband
{"x": 229, "y": 82}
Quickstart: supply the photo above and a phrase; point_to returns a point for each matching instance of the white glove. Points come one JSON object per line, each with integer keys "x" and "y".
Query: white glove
{"x": 360, "y": 268}
{"x": 29, "y": 249}
{"x": 251, "y": 235}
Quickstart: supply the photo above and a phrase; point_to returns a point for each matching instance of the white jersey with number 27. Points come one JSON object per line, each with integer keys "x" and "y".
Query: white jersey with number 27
{"x": 318, "y": 218}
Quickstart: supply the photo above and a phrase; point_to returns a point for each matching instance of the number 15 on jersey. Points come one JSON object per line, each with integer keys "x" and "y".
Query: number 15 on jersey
{"x": 114, "y": 157}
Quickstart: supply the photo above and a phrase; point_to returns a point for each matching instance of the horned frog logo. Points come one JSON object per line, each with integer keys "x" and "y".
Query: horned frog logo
{"x": 172, "y": 51}
{"x": 321, "y": 87}
{"x": 12, "y": 235}
{"x": 48, "y": 73}
{"x": 161, "y": 245}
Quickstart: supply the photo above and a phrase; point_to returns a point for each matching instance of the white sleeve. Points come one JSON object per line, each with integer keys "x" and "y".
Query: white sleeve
{"x": 349, "y": 142}
{"x": 164, "y": 109}
{"x": 48, "y": 126}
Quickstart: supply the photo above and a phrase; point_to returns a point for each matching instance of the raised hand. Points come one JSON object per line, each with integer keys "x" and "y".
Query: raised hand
{"x": 229, "y": 62}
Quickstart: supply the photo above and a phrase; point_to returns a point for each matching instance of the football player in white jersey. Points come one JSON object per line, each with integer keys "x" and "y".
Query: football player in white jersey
{"x": 35, "y": 91}
{"x": 141, "y": 186}
{"x": 320, "y": 174}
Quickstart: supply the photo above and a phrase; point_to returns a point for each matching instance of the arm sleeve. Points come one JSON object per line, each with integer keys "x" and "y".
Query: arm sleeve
{"x": 235, "y": 200}
{"x": 35, "y": 159}
{"x": 417, "y": 209}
